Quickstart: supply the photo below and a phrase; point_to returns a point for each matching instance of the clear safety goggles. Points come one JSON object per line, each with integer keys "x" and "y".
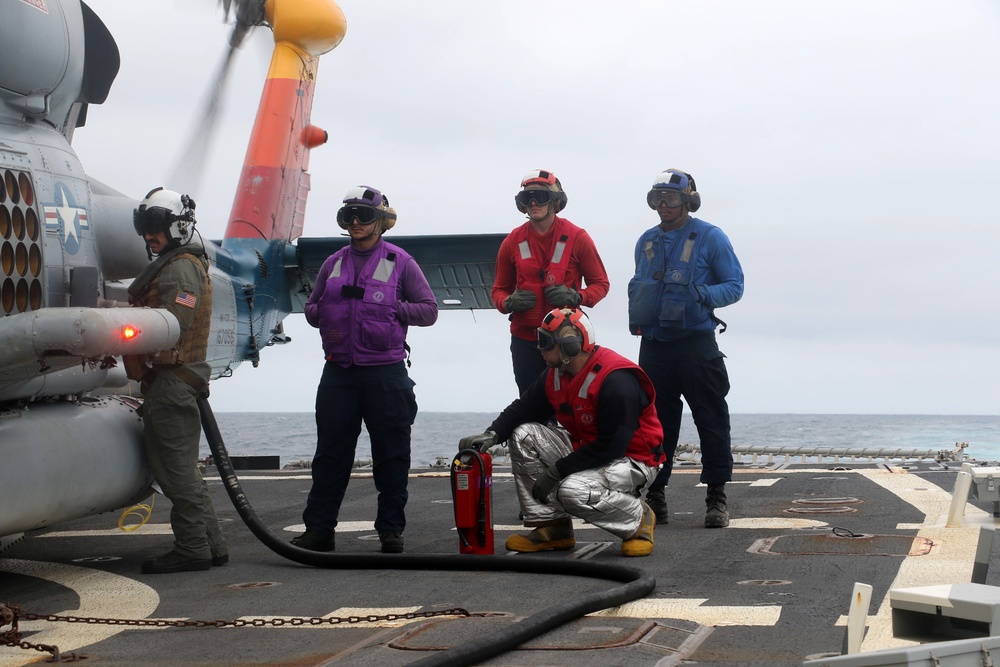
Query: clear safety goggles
{"x": 672, "y": 198}
{"x": 539, "y": 197}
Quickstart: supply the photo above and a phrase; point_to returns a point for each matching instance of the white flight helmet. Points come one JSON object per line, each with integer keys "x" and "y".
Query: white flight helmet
{"x": 168, "y": 211}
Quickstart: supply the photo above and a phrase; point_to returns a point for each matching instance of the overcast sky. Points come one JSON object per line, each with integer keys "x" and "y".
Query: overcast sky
{"x": 850, "y": 150}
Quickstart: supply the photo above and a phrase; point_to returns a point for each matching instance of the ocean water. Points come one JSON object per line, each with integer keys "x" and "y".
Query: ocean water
{"x": 292, "y": 435}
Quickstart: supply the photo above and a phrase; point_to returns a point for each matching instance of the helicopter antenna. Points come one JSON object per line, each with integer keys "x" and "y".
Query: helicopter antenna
{"x": 187, "y": 173}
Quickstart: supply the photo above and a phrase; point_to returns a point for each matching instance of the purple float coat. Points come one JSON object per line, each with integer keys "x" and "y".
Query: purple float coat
{"x": 363, "y": 302}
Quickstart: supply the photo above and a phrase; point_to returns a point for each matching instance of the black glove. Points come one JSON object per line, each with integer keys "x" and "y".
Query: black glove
{"x": 545, "y": 483}
{"x": 520, "y": 300}
{"x": 480, "y": 442}
{"x": 560, "y": 296}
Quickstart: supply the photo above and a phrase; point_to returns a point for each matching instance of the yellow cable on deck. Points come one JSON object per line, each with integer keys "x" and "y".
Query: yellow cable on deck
{"x": 141, "y": 509}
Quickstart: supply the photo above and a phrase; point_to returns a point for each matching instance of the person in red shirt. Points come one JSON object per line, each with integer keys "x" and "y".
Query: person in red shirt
{"x": 541, "y": 265}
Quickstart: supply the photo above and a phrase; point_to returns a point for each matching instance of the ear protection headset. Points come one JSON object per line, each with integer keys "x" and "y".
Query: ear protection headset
{"x": 388, "y": 220}
{"x": 675, "y": 179}
{"x": 540, "y": 179}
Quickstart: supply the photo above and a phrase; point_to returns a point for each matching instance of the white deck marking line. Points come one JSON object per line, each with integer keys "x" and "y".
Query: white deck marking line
{"x": 354, "y": 475}
{"x": 145, "y": 529}
{"x": 695, "y": 610}
{"x": 949, "y": 562}
{"x": 101, "y": 594}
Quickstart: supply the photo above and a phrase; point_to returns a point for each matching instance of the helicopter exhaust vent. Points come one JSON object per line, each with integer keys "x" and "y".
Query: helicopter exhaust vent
{"x": 263, "y": 265}
{"x": 20, "y": 245}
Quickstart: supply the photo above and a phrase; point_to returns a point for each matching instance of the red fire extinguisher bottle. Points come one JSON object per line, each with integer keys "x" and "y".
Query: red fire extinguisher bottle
{"x": 471, "y": 483}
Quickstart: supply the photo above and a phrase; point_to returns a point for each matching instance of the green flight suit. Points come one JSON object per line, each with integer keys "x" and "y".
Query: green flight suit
{"x": 178, "y": 282}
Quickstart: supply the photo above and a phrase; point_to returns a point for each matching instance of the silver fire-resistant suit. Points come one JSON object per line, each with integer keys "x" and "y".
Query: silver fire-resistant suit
{"x": 605, "y": 497}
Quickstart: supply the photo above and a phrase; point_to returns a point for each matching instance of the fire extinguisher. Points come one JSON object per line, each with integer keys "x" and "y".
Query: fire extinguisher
{"x": 471, "y": 480}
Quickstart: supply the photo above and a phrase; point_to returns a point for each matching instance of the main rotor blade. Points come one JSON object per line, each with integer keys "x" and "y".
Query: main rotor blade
{"x": 187, "y": 173}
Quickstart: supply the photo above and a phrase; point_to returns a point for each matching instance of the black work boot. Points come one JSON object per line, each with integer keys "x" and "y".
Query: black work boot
{"x": 716, "y": 511}
{"x": 392, "y": 542}
{"x": 656, "y": 498}
{"x": 175, "y": 562}
{"x": 314, "y": 540}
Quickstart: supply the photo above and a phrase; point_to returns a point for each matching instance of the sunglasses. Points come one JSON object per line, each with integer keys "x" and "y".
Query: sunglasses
{"x": 672, "y": 199}
{"x": 546, "y": 341}
{"x": 539, "y": 197}
{"x": 365, "y": 215}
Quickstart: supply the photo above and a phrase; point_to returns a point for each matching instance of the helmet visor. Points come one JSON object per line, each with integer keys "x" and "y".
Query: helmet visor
{"x": 539, "y": 197}
{"x": 365, "y": 215}
{"x": 672, "y": 198}
{"x": 151, "y": 220}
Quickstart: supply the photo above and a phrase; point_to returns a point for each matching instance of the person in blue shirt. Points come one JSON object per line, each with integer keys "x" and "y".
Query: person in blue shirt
{"x": 685, "y": 269}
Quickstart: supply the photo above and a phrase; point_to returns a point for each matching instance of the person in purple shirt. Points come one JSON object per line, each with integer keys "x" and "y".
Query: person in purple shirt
{"x": 365, "y": 297}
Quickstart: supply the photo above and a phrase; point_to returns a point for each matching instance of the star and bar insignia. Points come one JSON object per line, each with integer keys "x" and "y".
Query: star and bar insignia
{"x": 186, "y": 299}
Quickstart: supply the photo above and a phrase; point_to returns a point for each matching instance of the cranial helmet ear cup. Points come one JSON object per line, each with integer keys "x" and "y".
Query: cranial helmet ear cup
{"x": 388, "y": 220}
{"x": 694, "y": 201}
{"x": 559, "y": 201}
{"x": 571, "y": 349}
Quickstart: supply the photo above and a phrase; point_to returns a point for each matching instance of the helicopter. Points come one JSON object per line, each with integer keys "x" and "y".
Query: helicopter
{"x": 70, "y": 436}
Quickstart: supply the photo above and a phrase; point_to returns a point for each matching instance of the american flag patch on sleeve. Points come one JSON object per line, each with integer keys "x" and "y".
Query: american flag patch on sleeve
{"x": 186, "y": 299}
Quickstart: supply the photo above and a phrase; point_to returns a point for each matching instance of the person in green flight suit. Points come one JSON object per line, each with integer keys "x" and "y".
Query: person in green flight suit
{"x": 173, "y": 379}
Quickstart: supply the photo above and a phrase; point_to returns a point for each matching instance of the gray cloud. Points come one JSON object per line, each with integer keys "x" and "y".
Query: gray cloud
{"x": 849, "y": 150}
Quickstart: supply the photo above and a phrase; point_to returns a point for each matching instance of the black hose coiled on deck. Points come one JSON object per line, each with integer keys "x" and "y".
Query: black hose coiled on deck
{"x": 635, "y": 583}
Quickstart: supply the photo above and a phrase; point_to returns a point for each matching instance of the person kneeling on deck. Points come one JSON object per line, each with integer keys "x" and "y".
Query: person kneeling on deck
{"x": 608, "y": 449}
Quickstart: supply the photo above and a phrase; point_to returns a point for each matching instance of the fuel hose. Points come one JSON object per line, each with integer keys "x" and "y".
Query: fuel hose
{"x": 633, "y": 583}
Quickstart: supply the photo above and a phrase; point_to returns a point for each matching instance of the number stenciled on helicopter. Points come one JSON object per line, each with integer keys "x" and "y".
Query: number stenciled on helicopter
{"x": 225, "y": 337}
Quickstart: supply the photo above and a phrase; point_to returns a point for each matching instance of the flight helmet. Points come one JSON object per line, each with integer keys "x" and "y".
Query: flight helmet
{"x": 543, "y": 187}
{"x": 166, "y": 211}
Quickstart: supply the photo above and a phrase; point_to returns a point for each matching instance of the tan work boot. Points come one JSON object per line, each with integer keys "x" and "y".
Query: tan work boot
{"x": 641, "y": 544}
{"x": 558, "y": 536}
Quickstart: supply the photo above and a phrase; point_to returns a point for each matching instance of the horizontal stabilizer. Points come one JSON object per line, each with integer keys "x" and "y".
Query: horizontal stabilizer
{"x": 459, "y": 267}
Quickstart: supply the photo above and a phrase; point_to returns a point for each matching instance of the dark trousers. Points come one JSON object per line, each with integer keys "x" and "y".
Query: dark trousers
{"x": 528, "y": 362}
{"x": 695, "y": 369}
{"x": 382, "y": 397}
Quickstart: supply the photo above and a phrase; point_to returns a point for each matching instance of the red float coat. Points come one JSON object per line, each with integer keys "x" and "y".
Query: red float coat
{"x": 579, "y": 395}
{"x": 527, "y": 260}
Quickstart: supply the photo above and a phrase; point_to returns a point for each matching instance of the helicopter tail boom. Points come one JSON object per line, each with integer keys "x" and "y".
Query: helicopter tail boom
{"x": 270, "y": 200}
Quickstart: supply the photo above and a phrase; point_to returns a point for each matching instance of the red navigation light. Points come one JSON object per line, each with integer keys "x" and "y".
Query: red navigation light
{"x": 129, "y": 332}
{"x": 313, "y": 136}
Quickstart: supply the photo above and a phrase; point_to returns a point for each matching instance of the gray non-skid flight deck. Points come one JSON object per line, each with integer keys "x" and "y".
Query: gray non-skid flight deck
{"x": 769, "y": 590}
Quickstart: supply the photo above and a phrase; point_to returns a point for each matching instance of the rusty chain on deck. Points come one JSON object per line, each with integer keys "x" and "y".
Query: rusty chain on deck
{"x": 11, "y": 614}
